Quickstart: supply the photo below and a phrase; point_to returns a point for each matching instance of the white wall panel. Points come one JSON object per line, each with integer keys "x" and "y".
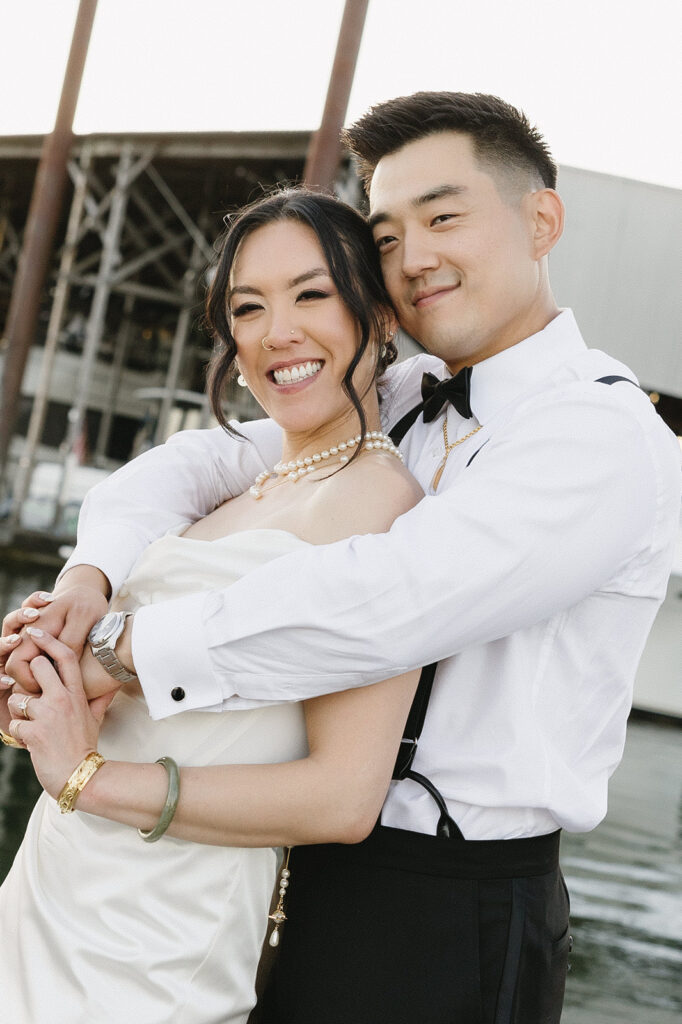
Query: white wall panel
{"x": 619, "y": 267}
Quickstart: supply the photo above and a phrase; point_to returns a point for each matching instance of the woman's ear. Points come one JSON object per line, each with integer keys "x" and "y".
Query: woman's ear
{"x": 389, "y": 327}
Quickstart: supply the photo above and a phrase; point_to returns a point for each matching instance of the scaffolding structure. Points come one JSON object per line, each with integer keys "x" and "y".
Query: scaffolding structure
{"x": 122, "y": 341}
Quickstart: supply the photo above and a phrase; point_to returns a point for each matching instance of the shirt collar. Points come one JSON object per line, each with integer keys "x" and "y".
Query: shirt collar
{"x": 499, "y": 380}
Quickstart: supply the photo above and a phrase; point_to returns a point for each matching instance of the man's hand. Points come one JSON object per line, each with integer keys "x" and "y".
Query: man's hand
{"x": 79, "y": 600}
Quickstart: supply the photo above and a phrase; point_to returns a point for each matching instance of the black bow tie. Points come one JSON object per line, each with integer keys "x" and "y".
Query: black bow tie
{"x": 435, "y": 393}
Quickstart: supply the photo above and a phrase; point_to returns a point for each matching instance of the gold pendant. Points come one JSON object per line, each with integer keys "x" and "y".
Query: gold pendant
{"x": 439, "y": 473}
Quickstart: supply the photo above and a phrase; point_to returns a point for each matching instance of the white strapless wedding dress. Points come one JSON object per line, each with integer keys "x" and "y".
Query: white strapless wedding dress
{"x": 98, "y": 927}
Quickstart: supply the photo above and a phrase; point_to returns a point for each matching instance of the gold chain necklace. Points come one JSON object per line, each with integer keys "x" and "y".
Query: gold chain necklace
{"x": 448, "y": 448}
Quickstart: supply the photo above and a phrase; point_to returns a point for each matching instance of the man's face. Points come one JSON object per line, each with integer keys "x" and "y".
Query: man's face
{"x": 457, "y": 255}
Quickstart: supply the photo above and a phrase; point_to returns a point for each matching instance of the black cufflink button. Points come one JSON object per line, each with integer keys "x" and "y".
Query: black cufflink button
{"x": 178, "y": 693}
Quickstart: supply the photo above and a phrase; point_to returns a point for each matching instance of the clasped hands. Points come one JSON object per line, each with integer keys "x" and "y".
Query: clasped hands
{"x": 43, "y": 657}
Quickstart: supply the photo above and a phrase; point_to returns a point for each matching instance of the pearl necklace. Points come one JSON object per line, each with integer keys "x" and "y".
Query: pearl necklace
{"x": 298, "y": 468}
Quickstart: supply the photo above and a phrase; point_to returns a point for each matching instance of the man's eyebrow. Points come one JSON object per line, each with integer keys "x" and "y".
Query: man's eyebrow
{"x": 248, "y": 289}
{"x": 438, "y": 192}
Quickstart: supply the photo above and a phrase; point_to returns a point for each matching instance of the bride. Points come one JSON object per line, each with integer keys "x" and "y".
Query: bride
{"x": 97, "y": 924}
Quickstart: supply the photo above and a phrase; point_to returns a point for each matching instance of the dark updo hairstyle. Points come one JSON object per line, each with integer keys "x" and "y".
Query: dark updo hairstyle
{"x": 353, "y": 262}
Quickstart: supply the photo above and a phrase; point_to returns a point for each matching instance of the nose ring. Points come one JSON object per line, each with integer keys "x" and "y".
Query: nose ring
{"x": 270, "y": 348}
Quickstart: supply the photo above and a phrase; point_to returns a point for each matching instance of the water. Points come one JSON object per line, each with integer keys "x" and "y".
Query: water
{"x": 625, "y": 878}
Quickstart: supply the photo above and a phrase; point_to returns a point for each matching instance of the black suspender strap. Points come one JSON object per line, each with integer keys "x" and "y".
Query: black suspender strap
{"x": 612, "y": 380}
{"x": 446, "y": 828}
{"x": 397, "y": 433}
{"x": 415, "y": 720}
{"x": 415, "y": 723}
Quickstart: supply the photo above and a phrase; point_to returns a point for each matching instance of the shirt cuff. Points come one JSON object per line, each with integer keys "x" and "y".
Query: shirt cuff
{"x": 174, "y": 676}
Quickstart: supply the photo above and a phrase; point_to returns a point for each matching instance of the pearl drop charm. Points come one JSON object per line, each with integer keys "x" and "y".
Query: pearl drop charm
{"x": 278, "y": 915}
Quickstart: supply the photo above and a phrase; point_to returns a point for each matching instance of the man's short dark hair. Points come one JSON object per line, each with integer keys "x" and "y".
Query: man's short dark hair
{"x": 503, "y": 138}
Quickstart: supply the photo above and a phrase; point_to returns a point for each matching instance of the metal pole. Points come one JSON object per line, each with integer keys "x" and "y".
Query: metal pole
{"x": 324, "y": 153}
{"x": 123, "y": 339}
{"x": 41, "y": 225}
{"x": 182, "y": 329}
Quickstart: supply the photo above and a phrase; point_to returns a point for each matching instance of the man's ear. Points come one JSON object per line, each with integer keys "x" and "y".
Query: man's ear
{"x": 547, "y": 214}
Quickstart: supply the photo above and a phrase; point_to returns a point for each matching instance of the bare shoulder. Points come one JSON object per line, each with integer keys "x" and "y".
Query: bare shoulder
{"x": 365, "y": 497}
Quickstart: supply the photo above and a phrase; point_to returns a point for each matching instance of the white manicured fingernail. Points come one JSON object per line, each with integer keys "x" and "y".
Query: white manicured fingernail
{"x": 34, "y": 631}
{"x": 31, "y": 613}
{"x": 44, "y": 596}
{"x": 12, "y": 638}
{"x": 7, "y": 681}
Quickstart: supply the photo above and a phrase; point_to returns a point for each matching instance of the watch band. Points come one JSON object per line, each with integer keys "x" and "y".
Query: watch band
{"x": 108, "y": 659}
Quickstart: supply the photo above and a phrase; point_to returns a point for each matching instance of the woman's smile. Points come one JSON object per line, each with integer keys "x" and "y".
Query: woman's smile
{"x": 293, "y": 375}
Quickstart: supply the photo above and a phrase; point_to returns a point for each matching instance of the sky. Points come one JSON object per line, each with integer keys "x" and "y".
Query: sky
{"x": 600, "y": 78}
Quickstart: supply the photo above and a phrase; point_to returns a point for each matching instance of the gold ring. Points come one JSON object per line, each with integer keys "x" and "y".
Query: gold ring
{"x": 9, "y": 740}
{"x": 268, "y": 348}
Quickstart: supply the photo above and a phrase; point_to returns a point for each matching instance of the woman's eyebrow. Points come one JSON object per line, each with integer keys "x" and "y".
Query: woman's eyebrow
{"x": 308, "y": 276}
{"x": 248, "y": 289}
{"x": 242, "y": 289}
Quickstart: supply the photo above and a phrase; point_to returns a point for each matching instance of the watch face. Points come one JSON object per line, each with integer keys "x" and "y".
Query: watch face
{"x": 103, "y": 629}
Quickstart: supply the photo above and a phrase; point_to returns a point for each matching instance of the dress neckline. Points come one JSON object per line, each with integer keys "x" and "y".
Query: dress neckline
{"x": 236, "y": 533}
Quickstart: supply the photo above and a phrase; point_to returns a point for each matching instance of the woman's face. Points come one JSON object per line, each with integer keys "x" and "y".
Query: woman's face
{"x": 281, "y": 291}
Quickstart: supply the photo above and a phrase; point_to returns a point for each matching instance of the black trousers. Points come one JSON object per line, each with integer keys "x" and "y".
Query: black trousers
{"x": 411, "y": 929}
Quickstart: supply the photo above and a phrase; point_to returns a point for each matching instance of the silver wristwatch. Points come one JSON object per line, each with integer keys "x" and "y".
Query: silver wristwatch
{"x": 103, "y": 638}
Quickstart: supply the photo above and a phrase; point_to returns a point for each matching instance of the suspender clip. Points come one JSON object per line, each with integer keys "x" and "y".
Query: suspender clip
{"x": 403, "y": 762}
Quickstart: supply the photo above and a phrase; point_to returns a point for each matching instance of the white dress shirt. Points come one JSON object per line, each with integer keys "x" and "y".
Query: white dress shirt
{"x": 533, "y": 576}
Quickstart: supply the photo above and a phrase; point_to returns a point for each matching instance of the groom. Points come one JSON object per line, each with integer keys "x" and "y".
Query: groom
{"x": 531, "y": 572}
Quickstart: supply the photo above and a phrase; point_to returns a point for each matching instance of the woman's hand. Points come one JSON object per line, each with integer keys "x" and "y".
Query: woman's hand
{"x": 59, "y": 728}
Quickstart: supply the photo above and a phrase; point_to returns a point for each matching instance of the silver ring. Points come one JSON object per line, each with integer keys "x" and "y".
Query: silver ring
{"x": 268, "y": 348}
{"x": 23, "y": 704}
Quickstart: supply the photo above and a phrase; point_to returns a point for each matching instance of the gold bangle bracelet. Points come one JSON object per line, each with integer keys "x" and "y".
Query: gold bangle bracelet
{"x": 10, "y": 741}
{"x": 78, "y": 780}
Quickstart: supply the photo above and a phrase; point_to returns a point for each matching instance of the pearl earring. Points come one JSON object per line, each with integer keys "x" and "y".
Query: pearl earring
{"x": 241, "y": 382}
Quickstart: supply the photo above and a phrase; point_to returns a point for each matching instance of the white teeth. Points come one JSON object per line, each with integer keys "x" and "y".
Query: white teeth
{"x": 292, "y": 374}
